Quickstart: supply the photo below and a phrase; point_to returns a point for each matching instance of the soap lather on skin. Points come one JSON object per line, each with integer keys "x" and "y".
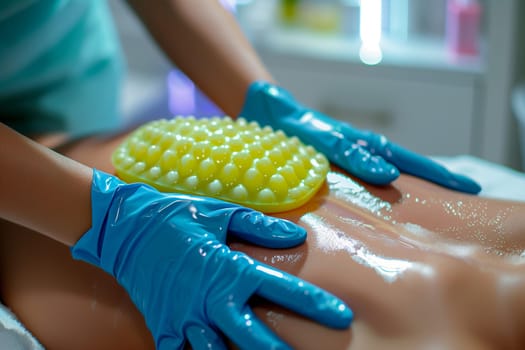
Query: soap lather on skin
{"x": 218, "y": 157}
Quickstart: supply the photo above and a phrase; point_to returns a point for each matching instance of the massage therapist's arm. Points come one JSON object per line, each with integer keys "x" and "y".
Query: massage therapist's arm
{"x": 204, "y": 40}
{"x": 43, "y": 190}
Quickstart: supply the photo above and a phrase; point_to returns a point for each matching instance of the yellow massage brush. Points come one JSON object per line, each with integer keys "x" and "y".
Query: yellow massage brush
{"x": 230, "y": 160}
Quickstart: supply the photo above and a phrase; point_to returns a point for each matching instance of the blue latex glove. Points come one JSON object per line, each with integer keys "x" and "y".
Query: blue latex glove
{"x": 369, "y": 156}
{"x": 168, "y": 252}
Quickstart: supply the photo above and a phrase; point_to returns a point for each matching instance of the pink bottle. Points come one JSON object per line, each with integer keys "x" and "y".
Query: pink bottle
{"x": 463, "y": 27}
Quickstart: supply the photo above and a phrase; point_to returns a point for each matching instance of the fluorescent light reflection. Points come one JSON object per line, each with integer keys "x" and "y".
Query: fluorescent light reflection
{"x": 370, "y": 54}
{"x": 370, "y": 32}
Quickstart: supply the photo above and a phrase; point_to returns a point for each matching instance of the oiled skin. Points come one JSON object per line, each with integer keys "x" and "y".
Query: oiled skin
{"x": 421, "y": 266}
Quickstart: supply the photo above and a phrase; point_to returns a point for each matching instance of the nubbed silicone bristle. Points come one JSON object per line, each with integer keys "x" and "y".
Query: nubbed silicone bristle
{"x": 217, "y": 157}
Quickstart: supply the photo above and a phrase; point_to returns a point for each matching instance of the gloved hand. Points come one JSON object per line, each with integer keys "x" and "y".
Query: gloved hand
{"x": 369, "y": 156}
{"x": 168, "y": 252}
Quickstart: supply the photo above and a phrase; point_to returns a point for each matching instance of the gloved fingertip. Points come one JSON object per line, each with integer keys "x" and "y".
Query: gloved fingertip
{"x": 283, "y": 233}
{"x": 288, "y": 228}
{"x": 341, "y": 316}
{"x": 267, "y": 231}
{"x": 347, "y": 317}
{"x": 465, "y": 184}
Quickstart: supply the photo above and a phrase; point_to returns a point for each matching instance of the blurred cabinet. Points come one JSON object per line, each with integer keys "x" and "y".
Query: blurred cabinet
{"x": 416, "y": 108}
{"x": 417, "y": 95}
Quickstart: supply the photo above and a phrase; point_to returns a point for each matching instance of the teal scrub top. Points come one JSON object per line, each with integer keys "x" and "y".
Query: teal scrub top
{"x": 60, "y": 66}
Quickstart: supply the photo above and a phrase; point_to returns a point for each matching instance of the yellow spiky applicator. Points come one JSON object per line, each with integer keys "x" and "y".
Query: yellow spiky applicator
{"x": 231, "y": 160}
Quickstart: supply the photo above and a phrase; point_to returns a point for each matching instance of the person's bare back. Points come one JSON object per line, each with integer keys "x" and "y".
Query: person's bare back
{"x": 420, "y": 266}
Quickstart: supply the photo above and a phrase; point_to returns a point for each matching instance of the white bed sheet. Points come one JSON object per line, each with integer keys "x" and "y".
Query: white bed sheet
{"x": 497, "y": 181}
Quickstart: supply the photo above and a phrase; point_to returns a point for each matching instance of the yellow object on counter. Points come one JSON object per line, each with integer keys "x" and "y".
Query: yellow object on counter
{"x": 231, "y": 160}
